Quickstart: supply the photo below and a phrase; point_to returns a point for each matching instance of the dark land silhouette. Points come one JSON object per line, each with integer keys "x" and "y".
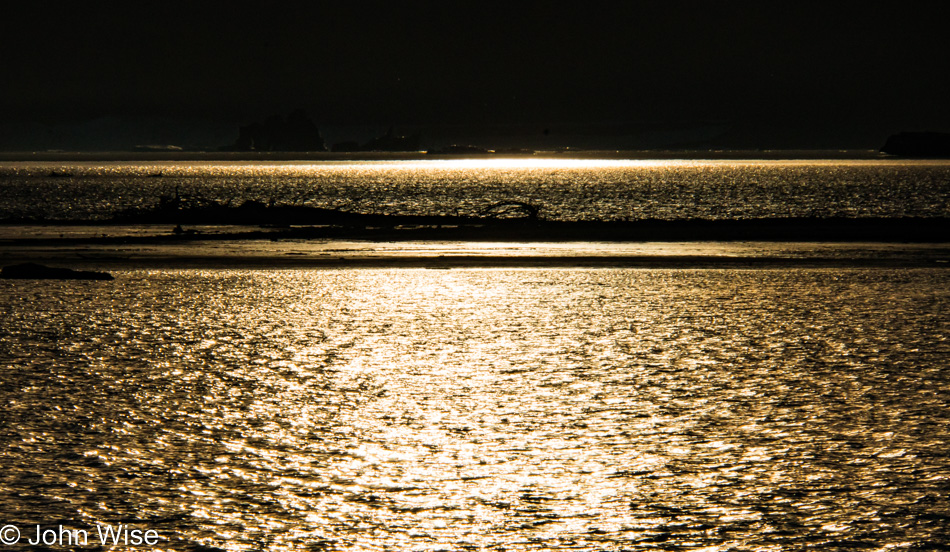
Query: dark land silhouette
{"x": 918, "y": 144}
{"x": 295, "y": 133}
{"x": 298, "y": 133}
{"x": 388, "y": 142}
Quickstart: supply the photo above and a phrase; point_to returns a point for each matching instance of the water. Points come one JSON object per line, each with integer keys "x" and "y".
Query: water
{"x": 564, "y": 189}
{"x": 486, "y": 409}
{"x": 480, "y": 409}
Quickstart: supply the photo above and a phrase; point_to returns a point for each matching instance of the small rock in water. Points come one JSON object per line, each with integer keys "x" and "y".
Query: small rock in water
{"x": 34, "y": 271}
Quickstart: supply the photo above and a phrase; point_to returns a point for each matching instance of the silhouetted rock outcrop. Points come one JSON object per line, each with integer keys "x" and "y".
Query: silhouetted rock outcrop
{"x": 918, "y": 144}
{"x": 387, "y": 142}
{"x": 296, "y": 133}
{"x": 391, "y": 142}
{"x": 34, "y": 271}
{"x": 456, "y": 149}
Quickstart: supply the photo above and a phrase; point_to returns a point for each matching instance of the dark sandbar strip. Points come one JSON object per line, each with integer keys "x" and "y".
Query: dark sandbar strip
{"x": 405, "y": 228}
{"x": 179, "y": 261}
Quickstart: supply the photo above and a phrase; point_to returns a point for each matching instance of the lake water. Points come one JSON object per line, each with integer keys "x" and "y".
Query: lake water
{"x": 563, "y": 189}
{"x": 787, "y": 408}
{"x": 482, "y": 409}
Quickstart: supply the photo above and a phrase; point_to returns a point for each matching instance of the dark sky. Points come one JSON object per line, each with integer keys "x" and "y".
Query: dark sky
{"x": 761, "y": 74}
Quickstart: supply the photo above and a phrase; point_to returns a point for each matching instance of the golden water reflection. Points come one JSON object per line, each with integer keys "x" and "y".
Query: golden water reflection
{"x": 484, "y": 409}
{"x": 564, "y": 189}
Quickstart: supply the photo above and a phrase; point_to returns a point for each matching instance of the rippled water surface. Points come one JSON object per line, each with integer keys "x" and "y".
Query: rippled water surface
{"x": 483, "y": 409}
{"x": 564, "y": 189}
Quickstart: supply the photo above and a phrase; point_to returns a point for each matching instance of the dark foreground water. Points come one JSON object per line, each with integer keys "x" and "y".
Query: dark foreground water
{"x": 481, "y": 409}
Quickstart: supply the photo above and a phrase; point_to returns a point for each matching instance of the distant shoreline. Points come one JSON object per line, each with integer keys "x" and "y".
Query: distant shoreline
{"x": 185, "y": 156}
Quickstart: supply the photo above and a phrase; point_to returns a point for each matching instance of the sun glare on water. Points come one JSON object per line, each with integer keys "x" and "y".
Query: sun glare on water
{"x": 544, "y": 163}
{"x": 505, "y": 163}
